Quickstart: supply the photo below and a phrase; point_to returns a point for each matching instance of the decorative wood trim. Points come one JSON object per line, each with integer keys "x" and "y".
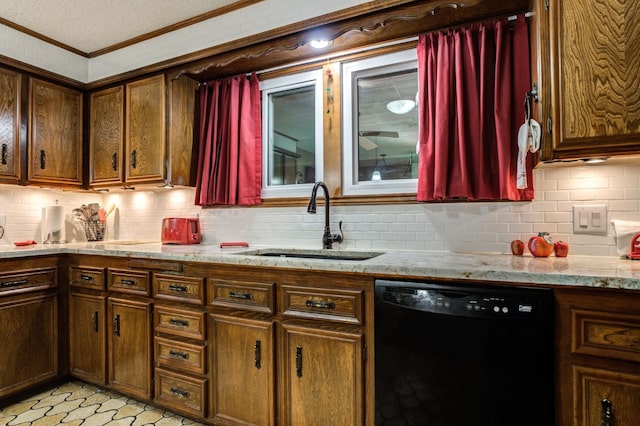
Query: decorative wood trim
{"x": 178, "y": 25}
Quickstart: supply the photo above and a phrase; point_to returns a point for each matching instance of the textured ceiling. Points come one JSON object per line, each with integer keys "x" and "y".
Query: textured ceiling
{"x": 92, "y": 25}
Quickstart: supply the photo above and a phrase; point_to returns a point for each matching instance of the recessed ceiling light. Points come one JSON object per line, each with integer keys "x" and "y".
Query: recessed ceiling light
{"x": 319, "y": 44}
{"x": 401, "y": 106}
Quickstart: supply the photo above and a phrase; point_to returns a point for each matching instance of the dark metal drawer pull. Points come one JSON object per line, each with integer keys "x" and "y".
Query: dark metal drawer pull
{"x": 179, "y": 392}
{"x": 134, "y": 159}
{"x": 321, "y": 305}
{"x": 84, "y": 277}
{"x": 127, "y": 282}
{"x": 180, "y": 288}
{"x": 116, "y": 325}
{"x": 606, "y": 416}
{"x": 114, "y": 161}
{"x": 257, "y": 354}
{"x": 43, "y": 159}
{"x": 14, "y": 283}
{"x": 236, "y": 295}
{"x": 5, "y": 150}
{"x": 94, "y": 321}
{"x": 181, "y": 323}
{"x": 177, "y": 354}
{"x": 299, "y": 361}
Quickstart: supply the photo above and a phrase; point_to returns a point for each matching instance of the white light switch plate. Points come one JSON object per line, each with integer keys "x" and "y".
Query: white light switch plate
{"x": 590, "y": 220}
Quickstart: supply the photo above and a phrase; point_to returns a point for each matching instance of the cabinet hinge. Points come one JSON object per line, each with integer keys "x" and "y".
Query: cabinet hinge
{"x": 549, "y": 124}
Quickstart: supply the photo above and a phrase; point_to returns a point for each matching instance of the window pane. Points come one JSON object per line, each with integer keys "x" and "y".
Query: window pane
{"x": 387, "y": 124}
{"x": 292, "y": 148}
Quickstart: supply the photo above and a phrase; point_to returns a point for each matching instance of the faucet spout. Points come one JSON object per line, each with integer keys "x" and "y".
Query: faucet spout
{"x": 327, "y": 237}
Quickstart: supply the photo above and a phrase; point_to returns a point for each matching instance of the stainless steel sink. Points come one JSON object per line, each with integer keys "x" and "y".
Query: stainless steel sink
{"x": 313, "y": 254}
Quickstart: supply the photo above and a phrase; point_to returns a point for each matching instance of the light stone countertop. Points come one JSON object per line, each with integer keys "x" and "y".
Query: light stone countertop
{"x": 588, "y": 271}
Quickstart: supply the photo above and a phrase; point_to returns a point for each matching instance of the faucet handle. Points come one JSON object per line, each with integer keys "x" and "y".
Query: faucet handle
{"x": 338, "y": 238}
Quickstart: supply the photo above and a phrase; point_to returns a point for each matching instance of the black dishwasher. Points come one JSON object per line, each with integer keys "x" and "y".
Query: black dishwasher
{"x": 460, "y": 355}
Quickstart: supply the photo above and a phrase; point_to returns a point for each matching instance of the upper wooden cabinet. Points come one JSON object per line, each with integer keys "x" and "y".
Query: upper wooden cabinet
{"x": 145, "y": 130}
{"x": 106, "y": 136}
{"x": 55, "y": 134}
{"x": 10, "y": 91}
{"x": 590, "y": 74}
{"x": 130, "y": 141}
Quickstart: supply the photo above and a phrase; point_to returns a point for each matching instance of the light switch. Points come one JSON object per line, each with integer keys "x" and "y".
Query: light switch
{"x": 590, "y": 220}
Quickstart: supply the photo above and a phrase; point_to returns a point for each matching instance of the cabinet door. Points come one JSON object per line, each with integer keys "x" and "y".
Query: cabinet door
{"x": 106, "y": 137}
{"x": 321, "y": 376}
{"x": 595, "y": 100}
{"x": 605, "y": 398}
{"x": 145, "y": 130}
{"x": 55, "y": 137}
{"x": 242, "y": 363}
{"x": 87, "y": 337}
{"x": 29, "y": 336}
{"x": 130, "y": 347}
{"x": 10, "y": 90}
{"x": 182, "y": 161}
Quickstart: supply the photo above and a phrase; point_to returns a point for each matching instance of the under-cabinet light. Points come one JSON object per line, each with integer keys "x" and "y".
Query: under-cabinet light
{"x": 319, "y": 44}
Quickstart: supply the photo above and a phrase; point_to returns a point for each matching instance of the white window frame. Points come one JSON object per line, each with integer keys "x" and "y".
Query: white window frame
{"x": 279, "y": 84}
{"x": 350, "y": 184}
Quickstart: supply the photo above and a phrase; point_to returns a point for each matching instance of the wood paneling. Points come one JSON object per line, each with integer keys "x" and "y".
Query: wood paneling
{"x": 182, "y": 120}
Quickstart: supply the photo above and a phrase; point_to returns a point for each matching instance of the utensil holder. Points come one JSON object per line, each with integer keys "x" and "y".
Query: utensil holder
{"x": 95, "y": 230}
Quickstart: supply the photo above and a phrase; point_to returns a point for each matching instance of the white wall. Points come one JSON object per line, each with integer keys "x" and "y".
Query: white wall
{"x": 477, "y": 227}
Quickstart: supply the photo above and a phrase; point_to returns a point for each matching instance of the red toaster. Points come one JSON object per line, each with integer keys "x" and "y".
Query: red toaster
{"x": 181, "y": 230}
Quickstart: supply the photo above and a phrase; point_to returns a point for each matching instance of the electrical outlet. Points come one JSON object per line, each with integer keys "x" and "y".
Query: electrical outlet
{"x": 590, "y": 220}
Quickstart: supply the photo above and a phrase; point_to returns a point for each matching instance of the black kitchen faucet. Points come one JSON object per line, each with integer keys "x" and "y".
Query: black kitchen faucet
{"x": 327, "y": 237}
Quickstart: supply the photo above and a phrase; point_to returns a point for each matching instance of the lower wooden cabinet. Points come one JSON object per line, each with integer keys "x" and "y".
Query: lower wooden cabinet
{"x": 242, "y": 370}
{"x": 29, "y": 337}
{"x": 598, "y": 353}
{"x": 129, "y": 346}
{"x": 182, "y": 392}
{"x": 321, "y": 376}
{"x": 88, "y": 337}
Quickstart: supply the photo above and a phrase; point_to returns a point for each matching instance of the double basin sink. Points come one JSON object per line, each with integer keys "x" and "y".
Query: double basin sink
{"x": 313, "y": 254}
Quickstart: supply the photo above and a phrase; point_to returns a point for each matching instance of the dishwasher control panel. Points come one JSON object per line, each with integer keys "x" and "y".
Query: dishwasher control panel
{"x": 462, "y": 301}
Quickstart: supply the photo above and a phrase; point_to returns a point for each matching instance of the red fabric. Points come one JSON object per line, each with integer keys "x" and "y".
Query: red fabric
{"x": 230, "y": 160}
{"x": 473, "y": 82}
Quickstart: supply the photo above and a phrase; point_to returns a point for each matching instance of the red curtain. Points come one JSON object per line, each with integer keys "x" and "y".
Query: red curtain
{"x": 473, "y": 82}
{"x": 230, "y": 159}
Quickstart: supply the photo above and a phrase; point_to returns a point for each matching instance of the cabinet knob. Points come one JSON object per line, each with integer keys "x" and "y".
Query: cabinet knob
{"x": 606, "y": 416}
{"x": 5, "y": 153}
{"x": 299, "y": 361}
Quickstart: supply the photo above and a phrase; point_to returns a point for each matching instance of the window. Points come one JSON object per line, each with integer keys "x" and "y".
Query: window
{"x": 380, "y": 124}
{"x": 292, "y": 134}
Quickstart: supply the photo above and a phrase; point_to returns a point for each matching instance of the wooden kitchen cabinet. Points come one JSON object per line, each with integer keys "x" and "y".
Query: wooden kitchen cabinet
{"x": 145, "y": 142}
{"x": 590, "y": 95}
{"x": 129, "y": 346}
{"x": 88, "y": 337}
{"x": 243, "y": 371}
{"x": 106, "y": 136}
{"x": 10, "y": 118}
{"x": 599, "y": 357}
{"x": 321, "y": 375}
{"x": 55, "y": 134}
{"x": 28, "y": 324}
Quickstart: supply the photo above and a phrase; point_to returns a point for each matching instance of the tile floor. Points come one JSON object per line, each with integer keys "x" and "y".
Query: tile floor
{"x": 77, "y": 403}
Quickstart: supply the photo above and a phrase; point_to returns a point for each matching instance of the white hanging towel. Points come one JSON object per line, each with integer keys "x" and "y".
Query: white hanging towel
{"x": 528, "y": 141}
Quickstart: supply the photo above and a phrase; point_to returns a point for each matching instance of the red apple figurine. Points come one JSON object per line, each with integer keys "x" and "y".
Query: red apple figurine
{"x": 517, "y": 247}
{"x": 541, "y": 245}
{"x": 561, "y": 249}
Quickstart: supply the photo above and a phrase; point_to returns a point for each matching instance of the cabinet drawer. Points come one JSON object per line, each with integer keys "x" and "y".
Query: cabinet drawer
{"x": 242, "y": 295}
{"x": 331, "y": 304}
{"x": 183, "y": 289}
{"x": 181, "y": 392}
{"x": 129, "y": 281}
{"x": 610, "y": 334}
{"x": 181, "y": 355}
{"x": 180, "y": 322}
{"x": 27, "y": 280}
{"x": 87, "y": 276}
